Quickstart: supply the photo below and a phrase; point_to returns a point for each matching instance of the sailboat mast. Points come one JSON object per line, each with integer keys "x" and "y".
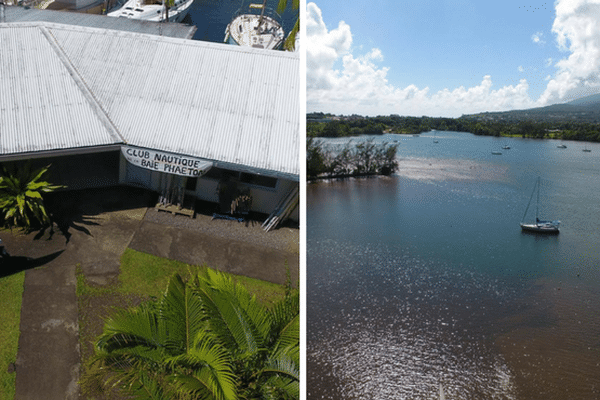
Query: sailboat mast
{"x": 530, "y": 198}
{"x": 262, "y": 14}
{"x": 537, "y": 206}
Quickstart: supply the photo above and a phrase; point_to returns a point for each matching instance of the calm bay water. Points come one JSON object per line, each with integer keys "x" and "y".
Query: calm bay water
{"x": 211, "y": 17}
{"x": 425, "y": 279}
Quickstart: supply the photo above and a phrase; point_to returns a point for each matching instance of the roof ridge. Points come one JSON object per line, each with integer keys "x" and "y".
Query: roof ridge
{"x": 83, "y": 87}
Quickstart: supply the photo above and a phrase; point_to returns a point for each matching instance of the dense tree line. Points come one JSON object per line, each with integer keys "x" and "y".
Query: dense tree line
{"x": 324, "y": 125}
{"x": 362, "y": 159}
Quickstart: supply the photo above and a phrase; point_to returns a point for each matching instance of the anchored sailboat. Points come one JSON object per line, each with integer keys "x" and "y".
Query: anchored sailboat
{"x": 257, "y": 27}
{"x": 538, "y": 226}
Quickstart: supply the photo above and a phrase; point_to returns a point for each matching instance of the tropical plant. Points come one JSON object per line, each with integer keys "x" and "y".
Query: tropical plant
{"x": 290, "y": 41}
{"x": 315, "y": 157}
{"x": 205, "y": 338}
{"x": 21, "y": 201}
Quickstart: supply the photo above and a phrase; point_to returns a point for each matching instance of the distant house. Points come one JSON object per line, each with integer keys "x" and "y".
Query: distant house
{"x": 175, "y": 116}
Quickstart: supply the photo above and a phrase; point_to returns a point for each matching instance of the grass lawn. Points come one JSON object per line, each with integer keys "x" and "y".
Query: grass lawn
{"x": 11, "y": 294}
{"x": 142, "y": 277}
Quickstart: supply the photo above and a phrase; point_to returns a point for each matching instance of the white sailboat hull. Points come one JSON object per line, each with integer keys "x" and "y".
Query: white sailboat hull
{"x": 138, "y": 9}
{"x": 542, "y": 227}
{"x": 255, "y": 29}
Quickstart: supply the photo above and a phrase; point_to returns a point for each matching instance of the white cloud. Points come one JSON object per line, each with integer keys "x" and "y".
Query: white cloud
{"x": 361, "y": 86}
{"x": 577, "y": 32}
{"x": 537, "y": 38}
{"x": 324, "y": 49}
{"x": 341, "y": 81}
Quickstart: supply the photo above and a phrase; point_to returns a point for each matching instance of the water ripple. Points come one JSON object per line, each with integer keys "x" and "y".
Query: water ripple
{"x": 398, "y": 327}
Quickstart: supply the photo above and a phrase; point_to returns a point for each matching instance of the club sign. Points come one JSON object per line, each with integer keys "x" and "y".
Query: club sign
{"x": 166, "y": 162}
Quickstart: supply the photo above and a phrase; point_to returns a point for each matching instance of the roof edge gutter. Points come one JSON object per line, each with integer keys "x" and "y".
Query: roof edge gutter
{"x": 257, "y": 171}
{"x": 61, "y": 152}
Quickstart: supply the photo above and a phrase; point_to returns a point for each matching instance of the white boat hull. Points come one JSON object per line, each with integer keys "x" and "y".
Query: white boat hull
{"x": 253, "y": 30}
{"x": 547, "y": 227}
{"x": 137, "y": 9}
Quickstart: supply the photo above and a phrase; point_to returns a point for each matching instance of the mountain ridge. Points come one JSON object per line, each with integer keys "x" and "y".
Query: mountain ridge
{"x": 583, "y": 109}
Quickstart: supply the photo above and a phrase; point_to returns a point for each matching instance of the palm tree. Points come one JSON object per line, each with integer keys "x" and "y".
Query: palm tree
{"x": 21, "y": 201}
{"x": 206, "y": 338}
{"x": 290, "y": 41}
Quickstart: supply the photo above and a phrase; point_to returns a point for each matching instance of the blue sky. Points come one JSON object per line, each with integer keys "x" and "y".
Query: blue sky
{"x": 449, "y": 57}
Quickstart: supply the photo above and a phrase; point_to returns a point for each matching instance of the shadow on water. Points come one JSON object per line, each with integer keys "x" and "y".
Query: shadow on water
{"x": 13, "y": 265}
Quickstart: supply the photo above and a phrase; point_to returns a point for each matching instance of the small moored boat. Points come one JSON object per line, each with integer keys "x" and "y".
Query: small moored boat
{"x": 152, "y": 10}
{"x": 539, "y": 226}
{"x": 561, "y": 146}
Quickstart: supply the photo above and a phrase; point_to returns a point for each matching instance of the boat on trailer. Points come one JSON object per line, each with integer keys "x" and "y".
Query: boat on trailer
{"x": 152, "y": 10}
{"x": 257, "y": 26}
{"x": 539, "y": 226}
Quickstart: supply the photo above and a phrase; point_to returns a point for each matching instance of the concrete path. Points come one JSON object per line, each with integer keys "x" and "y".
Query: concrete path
{"x": 48, "y": 360}
{"x": 47, "y": 365}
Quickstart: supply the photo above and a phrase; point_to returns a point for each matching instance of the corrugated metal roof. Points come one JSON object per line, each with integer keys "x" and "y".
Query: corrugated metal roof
{"x": 43, "y": 106}
{"x": 220, "y": 102}
{"x": 21, "y": 14}
{"x": 236, "y": 106}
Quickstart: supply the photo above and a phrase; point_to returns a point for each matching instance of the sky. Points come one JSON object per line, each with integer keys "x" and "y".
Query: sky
{"x": 446, "y": 58}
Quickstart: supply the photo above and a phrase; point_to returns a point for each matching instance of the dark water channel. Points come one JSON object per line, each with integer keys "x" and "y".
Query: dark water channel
{"x": 425, "y": 279}
{"x": 211, "y": 17}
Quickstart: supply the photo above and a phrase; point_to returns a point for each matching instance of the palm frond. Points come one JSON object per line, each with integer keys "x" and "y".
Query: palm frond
{"x": 290, "y": 41}
{"x": 278, "y": 388}
{"x": 182, "y": 312}
{"x": 232, "y": 314}
{"x": 288, "y": 336}
{"x": 139, "y": 326}
{"x": 205, "y": 370}
{"x": 284, "y": 363}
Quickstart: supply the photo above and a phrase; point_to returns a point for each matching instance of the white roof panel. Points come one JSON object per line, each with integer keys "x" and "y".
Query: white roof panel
{"x": 42, "y": 106}
{"x": 236, "y": 106}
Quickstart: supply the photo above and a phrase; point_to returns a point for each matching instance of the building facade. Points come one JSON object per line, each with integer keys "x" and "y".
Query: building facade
{"x": 188, "y": 120}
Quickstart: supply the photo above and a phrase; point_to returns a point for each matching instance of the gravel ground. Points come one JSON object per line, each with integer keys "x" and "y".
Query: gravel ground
{"x": 249, "y": 231}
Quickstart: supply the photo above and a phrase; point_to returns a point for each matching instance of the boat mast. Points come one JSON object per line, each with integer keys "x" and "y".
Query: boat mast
{"x": 537, "y": 206}
{"x": 262, "y": 13}
{"x": 531, "y": 198}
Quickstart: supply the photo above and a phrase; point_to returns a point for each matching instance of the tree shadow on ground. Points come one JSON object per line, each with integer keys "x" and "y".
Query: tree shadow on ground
{"x": 64, "y": 224}
{"x": 79, "y": 209}
{"x": 13, "y": 265}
